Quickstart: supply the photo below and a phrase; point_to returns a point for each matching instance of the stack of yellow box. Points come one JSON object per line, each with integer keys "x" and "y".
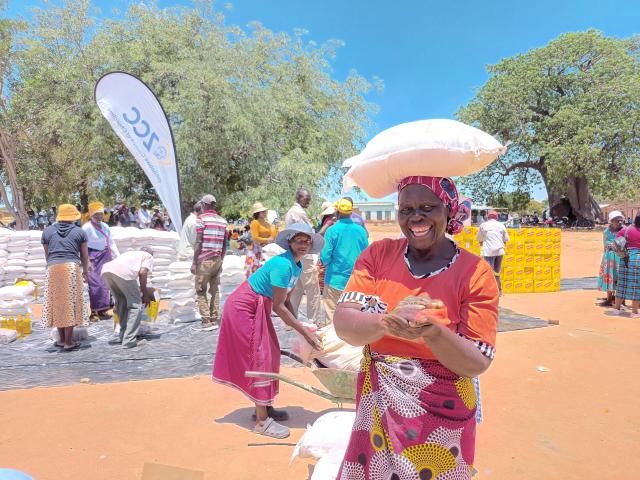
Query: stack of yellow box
{"x": 532, "y": 260}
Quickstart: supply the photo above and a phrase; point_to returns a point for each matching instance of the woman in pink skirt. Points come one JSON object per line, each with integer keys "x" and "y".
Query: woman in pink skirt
{"x": 248, "y": 340}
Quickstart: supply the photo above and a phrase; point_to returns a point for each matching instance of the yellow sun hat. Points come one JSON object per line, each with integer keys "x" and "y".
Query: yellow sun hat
{"x": 67, "y": 213}
{"x": 95, "y": 207}
{"x": 344, "y": 206}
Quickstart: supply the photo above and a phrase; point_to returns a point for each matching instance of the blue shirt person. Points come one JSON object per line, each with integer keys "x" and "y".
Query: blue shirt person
{"x": 344, "y": 242}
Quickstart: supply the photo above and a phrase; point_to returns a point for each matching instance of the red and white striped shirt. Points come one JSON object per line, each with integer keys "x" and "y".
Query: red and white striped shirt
{"x": 213, "y": 229}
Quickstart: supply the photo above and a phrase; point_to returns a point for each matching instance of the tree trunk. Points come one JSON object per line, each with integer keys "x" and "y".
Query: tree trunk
{"x": 573, "y": 200}
{"x": 16, "y": 207}
{"x": 84, "y": 196}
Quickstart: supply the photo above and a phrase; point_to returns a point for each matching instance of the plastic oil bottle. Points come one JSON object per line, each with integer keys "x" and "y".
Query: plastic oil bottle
{"x": 11, "y": 323}
{"x": 26, "y": 326}
{"x": 19, "y": 326}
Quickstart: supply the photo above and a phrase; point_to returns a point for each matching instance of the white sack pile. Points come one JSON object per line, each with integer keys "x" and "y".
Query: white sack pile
{"x": 326, "y": 441}
{"x": 165, "y": 251}
{"x": 182, "y": 307}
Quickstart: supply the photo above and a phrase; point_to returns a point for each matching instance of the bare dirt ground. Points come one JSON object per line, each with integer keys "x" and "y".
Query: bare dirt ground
{"x": 579, "y": 420}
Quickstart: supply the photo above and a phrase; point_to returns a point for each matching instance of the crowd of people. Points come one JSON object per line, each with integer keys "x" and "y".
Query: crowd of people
{"x": 619, "y": 275}
{"x": 115, "y": 280}
{"x": 120, "y": 215}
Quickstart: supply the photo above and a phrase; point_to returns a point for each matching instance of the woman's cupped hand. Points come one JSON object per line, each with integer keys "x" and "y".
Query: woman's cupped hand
{"x": 415, "y": 317}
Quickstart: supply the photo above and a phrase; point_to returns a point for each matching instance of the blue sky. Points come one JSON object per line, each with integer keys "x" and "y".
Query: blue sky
{"x": 431, "y": 55}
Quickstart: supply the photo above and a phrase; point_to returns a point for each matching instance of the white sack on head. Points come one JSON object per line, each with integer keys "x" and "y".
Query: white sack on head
{"x": 439, "y": 148}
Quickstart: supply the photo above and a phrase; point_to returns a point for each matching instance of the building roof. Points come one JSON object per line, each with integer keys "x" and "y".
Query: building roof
{"x": 373, "y": 204}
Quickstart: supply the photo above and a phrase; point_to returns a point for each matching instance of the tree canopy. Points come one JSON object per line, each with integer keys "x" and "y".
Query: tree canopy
{"x": 255, "y": 114}
{"x": 570, "y": 112}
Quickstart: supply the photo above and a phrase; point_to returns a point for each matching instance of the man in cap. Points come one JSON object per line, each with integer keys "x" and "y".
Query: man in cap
{"x": 127, "y": 277}
{"x": 209, "y": 250}
{"x": 308, "y": 283}
{"x": 344, "y": 242}
{"x": 188, "y": 234}
{"x": 356, "y": 217}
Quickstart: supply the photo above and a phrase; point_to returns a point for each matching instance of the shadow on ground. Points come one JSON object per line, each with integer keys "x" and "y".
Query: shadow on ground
{"x": 299, "y": 417}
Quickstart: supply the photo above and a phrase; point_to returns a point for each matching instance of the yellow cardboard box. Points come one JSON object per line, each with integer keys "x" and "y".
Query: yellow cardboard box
{"x": 509, "y": 260}
{"x": 539, "y": 286}
{"x": 508, "y": 273}
{"x": 528, "y": 285}
{"x": 529, "y": 235}
{"x": 507, "y": 286}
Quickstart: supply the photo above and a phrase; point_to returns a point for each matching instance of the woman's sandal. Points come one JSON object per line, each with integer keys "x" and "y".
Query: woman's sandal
{"x": 271, "y": 428}
{"x": 76, "y": 346}
{"x": 278, "y": 415}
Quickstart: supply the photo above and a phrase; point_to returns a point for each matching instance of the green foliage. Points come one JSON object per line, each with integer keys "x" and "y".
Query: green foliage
{"x": 255, "y": 114}
{"x": 535, "y": 206}
{"x": 514, "y": 201}
{"x": 570, "y": 112}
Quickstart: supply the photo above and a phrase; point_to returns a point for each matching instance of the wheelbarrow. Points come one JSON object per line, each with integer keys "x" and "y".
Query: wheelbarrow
{"x": 341, "y": 384}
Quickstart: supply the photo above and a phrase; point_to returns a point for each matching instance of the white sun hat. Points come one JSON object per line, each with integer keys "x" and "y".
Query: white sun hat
{"x": 317, "y": 240}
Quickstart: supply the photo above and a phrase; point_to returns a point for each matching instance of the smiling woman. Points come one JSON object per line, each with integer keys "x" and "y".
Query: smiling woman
{"x": 426, "y": 313}
{"x": 248, "y": 340}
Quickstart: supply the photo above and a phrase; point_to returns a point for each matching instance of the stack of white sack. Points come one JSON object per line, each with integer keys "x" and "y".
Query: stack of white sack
{"x": 15, "y": 300}
{"x": 5, "y": 235}
{"x": 125, "y": 238}
{"x": 182, "y": 307}
{"x": 165, "y": 251}
{"x": 232, "y": 276}
{"x": 326, "y": 441}
{"x": 17, "y": 249}
{"x": 335, "y": 353}
{"x": 271, "y": 250}
{"x": 36, "y": 264}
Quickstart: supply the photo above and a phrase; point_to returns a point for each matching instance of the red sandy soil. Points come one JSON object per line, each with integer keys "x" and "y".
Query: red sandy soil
{"x": 577, "y": 421}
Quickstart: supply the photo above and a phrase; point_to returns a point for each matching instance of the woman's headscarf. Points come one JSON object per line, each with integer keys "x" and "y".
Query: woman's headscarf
{"x": 445, "y": 190}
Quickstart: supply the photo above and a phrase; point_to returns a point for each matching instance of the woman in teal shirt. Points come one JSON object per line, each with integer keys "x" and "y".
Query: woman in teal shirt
{"x": 248, "y": 340}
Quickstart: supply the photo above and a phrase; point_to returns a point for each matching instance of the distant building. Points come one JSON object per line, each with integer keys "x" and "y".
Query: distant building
{"x": 628, "y": 209}
{"x": 376, "y": 211}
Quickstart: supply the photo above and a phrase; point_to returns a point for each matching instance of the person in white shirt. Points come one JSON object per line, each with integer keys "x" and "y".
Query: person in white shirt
{"x": 309, "y": 282}
{"x": 492, "y": 236}
{"x": 102, "y": 249}
{"x": 188, "y": 234}
{"x": 126, "y": 277}
{"x": 144, "y": 217}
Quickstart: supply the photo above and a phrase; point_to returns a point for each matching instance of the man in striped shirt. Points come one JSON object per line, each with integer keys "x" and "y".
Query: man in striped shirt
{"x": 209, "y": 250}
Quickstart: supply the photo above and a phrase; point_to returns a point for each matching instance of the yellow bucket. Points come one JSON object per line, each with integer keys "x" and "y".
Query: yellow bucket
{"x": 151, "y": 313}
